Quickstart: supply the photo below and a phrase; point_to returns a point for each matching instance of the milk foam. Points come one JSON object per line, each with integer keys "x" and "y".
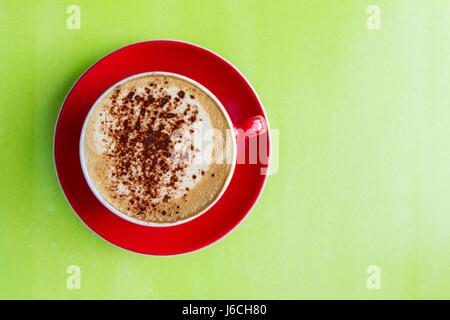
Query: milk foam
{"x": 193, "y": 136}
{"x": 146, "y": 131}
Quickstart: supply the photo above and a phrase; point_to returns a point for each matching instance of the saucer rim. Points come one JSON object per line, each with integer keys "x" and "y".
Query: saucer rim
{"x": 221, "y": 237}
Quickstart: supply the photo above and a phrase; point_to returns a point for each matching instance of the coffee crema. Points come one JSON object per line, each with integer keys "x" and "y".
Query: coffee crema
{"x": 157, "y": 148}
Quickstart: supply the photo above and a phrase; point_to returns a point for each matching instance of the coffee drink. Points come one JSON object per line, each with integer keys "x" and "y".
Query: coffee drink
{"x": 158, "y": 148}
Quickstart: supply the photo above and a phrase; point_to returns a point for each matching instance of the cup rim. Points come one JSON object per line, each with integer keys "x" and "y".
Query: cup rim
{"x": 146, "y": 223}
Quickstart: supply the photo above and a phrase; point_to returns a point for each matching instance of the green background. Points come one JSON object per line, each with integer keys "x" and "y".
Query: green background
{"x": 363, "y": 173}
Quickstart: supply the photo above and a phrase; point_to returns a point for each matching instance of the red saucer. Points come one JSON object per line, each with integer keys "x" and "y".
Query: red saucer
{"x": 201, "y": 65}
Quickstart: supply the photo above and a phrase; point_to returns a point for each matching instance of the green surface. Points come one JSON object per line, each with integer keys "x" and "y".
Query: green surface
{"x": 364, "y": 125}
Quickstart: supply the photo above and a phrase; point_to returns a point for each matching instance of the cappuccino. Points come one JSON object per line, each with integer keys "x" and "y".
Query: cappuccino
{"x": 158, "y": 148}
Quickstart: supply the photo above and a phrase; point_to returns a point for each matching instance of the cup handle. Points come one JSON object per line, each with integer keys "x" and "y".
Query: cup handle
{"x": 253, "y": 126}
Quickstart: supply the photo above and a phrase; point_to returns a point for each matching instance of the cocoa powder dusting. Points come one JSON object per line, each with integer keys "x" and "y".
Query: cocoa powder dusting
{"x": 139, "y": 127}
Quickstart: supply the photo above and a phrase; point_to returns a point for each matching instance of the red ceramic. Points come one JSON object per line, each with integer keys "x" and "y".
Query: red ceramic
{"x": 236, "y": 95}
